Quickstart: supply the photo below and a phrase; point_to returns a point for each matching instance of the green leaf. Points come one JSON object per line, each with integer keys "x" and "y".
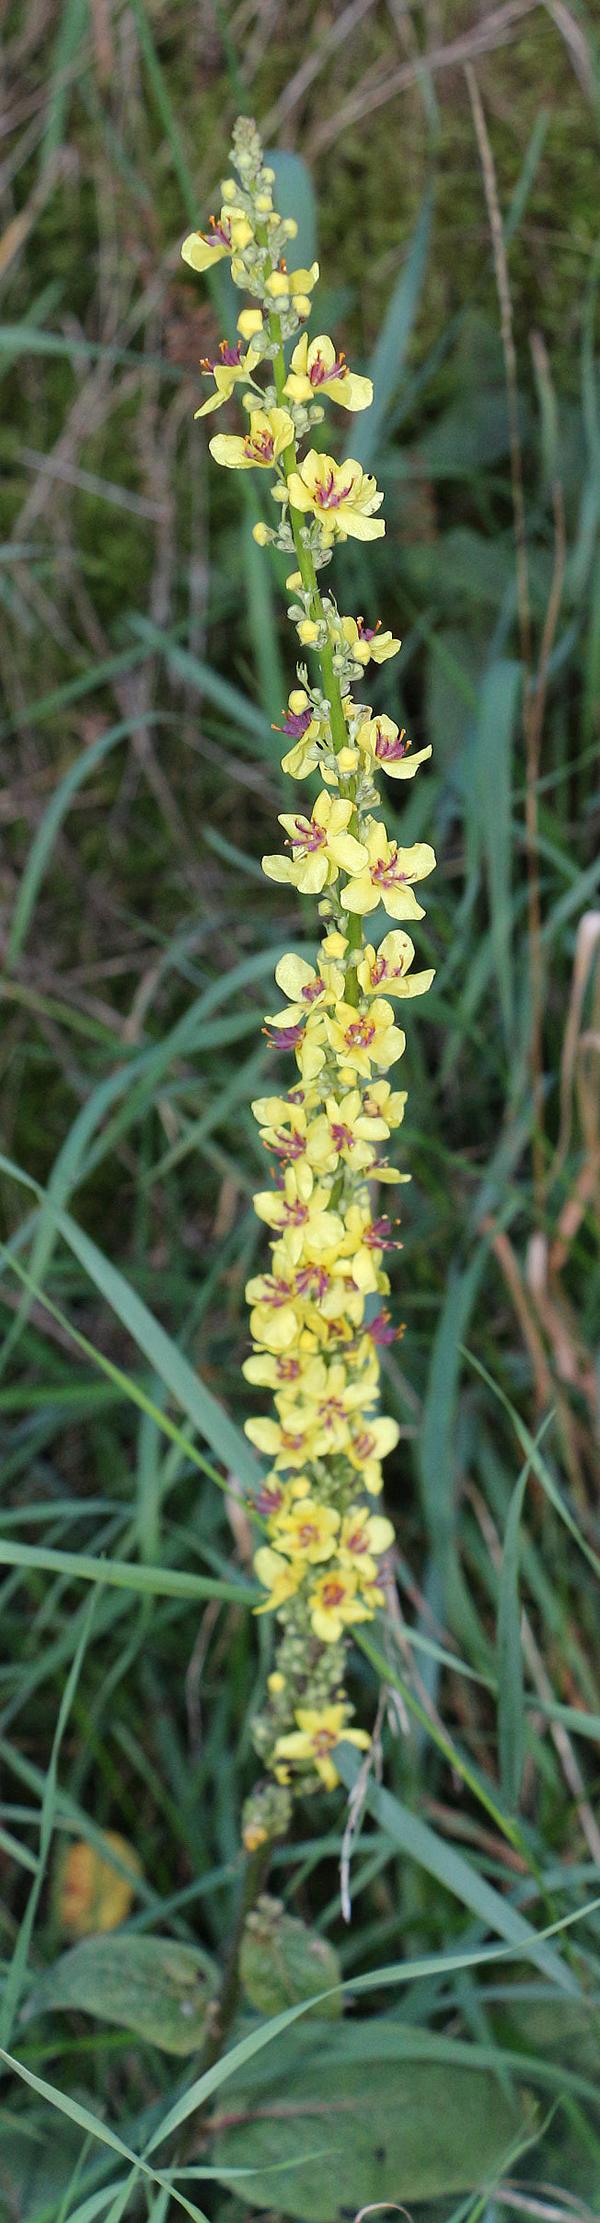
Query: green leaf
{"x": 439, "y": 1859}
{"x": 390, "y": 353}
{"x": 153, "y": 1986}
{"x": 436, "y": 1441}
{"x": 492, "y": 794}
{"x": 509, "y": 1656}
{"x": 294, "y": 195}
{"x": 282, "y": 1961}
{"x": 49, "y": 826}
{"x": 417, "y": 2134}
{"x": 125, "y": 1574}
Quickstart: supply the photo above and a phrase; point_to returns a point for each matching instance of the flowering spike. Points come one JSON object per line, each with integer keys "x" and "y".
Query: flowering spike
{"x": 316, "y": 1324}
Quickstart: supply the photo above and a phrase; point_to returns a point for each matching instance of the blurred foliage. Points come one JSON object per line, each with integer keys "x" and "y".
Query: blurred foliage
{"x": 144, "y": 660}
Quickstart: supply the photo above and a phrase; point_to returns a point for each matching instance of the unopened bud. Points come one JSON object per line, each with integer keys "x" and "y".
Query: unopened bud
{"x": 249, "y": 323}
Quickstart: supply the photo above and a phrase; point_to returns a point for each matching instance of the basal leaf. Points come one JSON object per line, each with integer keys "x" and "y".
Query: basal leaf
{"x": 153, "y": 1986}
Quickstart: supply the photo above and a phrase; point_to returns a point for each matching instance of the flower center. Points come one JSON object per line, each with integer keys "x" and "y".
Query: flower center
{"x": 268, "y": 1501}
{"x": 289, "y": 1146}
{"x": 342, "y": 1137}
{"x": 295, "y": 1214}
{"x": 283, "y": 1038}
{"x": 221, "y": 232}
{"x": 312, "y": 1281}
{"x": 333, "y": 1593}
{"x": 259, "y": 447}
{"x": 308, "y": 1533}
{"x": 296, "y": 723}
{"x": 276, "y": 1292}
{"x": 365, "y": 1445}
{"x": 328, "y": 495}
{"x": 390, "y": 746}
{"x": 360, "y": 1034}
{"x": 308, "y": 836}
{"x": 387, "y": 872}
{"x": 318, "y": 372}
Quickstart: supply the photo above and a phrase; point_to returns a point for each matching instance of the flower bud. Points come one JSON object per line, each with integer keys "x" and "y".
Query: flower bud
{"x": 302, "y": 304}
{"x": 290, "y": 227}
{"x": 308, "y": 632}
{"x": 298, "y": 700}
{"x": 249, "y": 323}
{"x": 229, "y": 189}
{"x": 261, "y": 534}
{"x": 278, "y": 285}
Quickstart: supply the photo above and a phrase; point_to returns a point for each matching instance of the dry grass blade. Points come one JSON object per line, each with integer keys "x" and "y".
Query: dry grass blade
{"x": 481, "y": 38}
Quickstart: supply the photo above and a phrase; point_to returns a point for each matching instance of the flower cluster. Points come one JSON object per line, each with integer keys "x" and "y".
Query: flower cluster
{"x": 318, "y": 1316}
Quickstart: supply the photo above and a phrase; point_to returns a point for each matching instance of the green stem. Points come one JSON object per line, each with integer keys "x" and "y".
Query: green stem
{"x": 226, "y": 2006}
{"x": 330, "y": 681}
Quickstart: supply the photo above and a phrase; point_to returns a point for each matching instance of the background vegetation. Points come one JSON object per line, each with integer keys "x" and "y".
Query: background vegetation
{"x": 143, "y": 661}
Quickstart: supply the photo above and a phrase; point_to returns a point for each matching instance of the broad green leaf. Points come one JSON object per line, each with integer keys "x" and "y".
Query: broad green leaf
{"x": 414, "y": 2134}
{"x": 154, "y": 1986}
{"x": 294, "y": 195}
{"x": 390, "y": 353}
{"x": 283, "y": 1961}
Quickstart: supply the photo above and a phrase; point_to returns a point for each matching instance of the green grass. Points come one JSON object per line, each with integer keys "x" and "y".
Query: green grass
{"x": 144, "y": 659}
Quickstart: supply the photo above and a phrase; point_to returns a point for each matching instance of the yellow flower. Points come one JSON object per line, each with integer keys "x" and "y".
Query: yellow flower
{"x": 366, "y": 642}
{"x": 308, "y": 1530}
{"x": 321, "y": 845}
{"x": 302, "y": 1212}
{"x": 387, "y": 744}
{"x": 334, "y": 1604}
{"x": 363, "y": 1538}
{"x": 389, "y": 965}
{"x": 341, "y": 495}
{"x": 318, "y": 1732}
{"x": 290, "y": 1444}
{"x": 381, "y": 1101}
{"x": 271, "y": 1370}
{"x": 229, "y": 233}
{"x": 306, "y": 986}
{"x": 365, "y": 1038}
{"x": 288, "y": 1131}
{"x": 316, "y": 369}
{"x": 364, "y": 1243}
{"x": 344, "y": 1131}
{"x": 369, "y": 1446}
{"x": 281, "y": 1577}
{"x": 230, "y": 366}
{"x": 388, "y": 875}
{"x": 304, "y": 730}
{"x": 270, "y": 432}
{"x": 273, "y": 1320}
